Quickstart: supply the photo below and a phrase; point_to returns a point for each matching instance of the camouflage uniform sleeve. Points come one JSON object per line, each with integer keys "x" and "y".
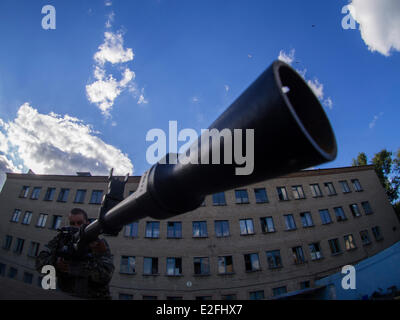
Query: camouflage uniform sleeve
{"x": 100, "y": 267}
{"x": 48, "y": 255}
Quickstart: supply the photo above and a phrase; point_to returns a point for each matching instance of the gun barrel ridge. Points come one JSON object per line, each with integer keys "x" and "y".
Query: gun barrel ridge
{"x": 291, "y": 133}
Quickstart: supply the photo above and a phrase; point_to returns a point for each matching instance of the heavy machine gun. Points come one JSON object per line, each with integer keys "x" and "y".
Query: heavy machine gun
{"x": 291, "y": 133}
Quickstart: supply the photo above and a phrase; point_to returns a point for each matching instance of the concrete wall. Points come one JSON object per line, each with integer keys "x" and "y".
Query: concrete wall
{"x": 241, "y": 283}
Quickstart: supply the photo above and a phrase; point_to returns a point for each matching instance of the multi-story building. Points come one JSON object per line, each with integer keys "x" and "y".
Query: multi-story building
{"x": 257, "y": 242}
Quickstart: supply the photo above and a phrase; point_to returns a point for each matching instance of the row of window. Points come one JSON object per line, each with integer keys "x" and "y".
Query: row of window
{"x": 80, "y": 195}
{"x": 261, "y": 196}
{"x": 253, "y": 295}
{"x": 222, "y": 228}
{"x": 174, "y": 229}
{"x": 40, "y": 222}
{"x": 28, "y": 277}
{"x": 242, "y": 196}
{"x": 201, "y": 265}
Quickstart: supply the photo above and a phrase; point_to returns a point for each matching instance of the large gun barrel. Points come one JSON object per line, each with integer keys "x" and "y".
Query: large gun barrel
{"x": 291, "y": 133}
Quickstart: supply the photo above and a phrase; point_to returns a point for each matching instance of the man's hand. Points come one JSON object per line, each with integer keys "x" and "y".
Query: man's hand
{"x": 62, "y": 265}
{"x": 98, "y": 247}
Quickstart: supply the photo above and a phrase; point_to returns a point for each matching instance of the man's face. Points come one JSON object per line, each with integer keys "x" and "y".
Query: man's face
{"x": 77, "y": 220}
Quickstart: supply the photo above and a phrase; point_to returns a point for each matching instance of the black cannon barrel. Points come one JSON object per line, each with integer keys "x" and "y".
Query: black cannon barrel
{"x": 291, "y": 132}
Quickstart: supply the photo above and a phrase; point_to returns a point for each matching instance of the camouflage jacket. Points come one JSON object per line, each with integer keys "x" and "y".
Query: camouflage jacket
{"x": 88, "y": 278}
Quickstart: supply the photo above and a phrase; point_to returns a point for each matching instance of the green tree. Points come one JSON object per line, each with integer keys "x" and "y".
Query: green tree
{"x": 361, "y": 160}
{"x": 387, "y": 169}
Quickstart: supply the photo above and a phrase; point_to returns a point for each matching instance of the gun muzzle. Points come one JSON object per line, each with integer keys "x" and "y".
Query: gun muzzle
{"x": 291, "y": 132}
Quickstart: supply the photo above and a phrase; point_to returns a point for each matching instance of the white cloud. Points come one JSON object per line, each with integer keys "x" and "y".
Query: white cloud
{"x": 112, "y": 50}
{"x": 227, "y": 88}
{"x": 374, "y": 120}
{"x": 195, "y": 99}
{"x": 379, "y": 24}
{"x": 328, "y": 103}
{"x": 106, "y": 89}
{"x": 54, "y": 144}
{"x": 287, "y": 58}
{"x": 108, "y": 3}
{"x": 316, "y": 86}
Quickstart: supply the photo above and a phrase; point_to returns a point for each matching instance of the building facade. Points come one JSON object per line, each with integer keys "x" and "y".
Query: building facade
{"x": 257, "y": 242}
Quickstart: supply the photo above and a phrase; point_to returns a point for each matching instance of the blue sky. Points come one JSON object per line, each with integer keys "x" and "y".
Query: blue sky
{"x": 187, "y": 61}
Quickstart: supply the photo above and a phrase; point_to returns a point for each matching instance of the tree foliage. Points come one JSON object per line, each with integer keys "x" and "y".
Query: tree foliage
{"x": 387, "y": 169}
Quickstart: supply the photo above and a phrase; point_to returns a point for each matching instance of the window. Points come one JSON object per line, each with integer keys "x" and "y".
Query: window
{"x": 7, "y": 242}
{"x": 49, "y": 196}
{"x": 298, "y": 255}
{"x": 28, "y": 278}
{"x": 132, "y": 230}
{"x": 241, "y": 196}
{"x": 219, "y": 199}
{"x": 261, "y": 195}
{"x": 2, "y": 269}
{"x": 80, "y": 196}
{"x": 355, "y": 210}
{"x": 41, "y": 223}
{"x": 150, "y": 298}
{"x": 298, "y": 192}
{"x": 174, "y": 230}
{"x": 315, "y": 190}
{"x": 19, "y": 246}
{"x": 377, "y": 233}
{"x": 27, "y": 218}
{"x": 16, "y": 215}
{"x": 305, "y": 285}
{"x": 340, "y": 215}
{"x": 204, "y": 298}
{"x": 174, "y": 266}
{"x": 279, "y": 291}
{"x": 330, "y": 189}
{"x": 228, "y": 297}
{"x": 33, "y": 249}
{"x": 222, "y": 228}
{"x": 128, "y": 265}
{"x": 12, "y": 273}
{"x": 174, "y": 298}
{"x": 257, "y": 295}
{"x": 200, "y": 229}
{"x": 35, "y": 193}
{"x": 225, "y": 265}
{"x": 252, "y": 262}
{"x": 153, "y": 229}
{"x": 63, "y": 195}
{"x": 97, "y": 197}
{"x": 56, "y": 222}
{"x": 356, "y": 185}
{"x": 201, "y": 266}
{"x": 345, "y": 186}
{"x": 246, "y": 227}
{"x": 274, "y": 259}
{"x": 367, "y": 207}
{"x": 24, "y": 192}
{"x": 335, "y": 246}
{"x": 282, "y": 193}
{"x": 349, "y": 242}
{"x": 267, "y": 224}
{"x": 306, "y": 219}
{"x": 315, "y": 251}
{"x": 325, "y": 216}
{"x": 365, "y": 237}
{"x": 290, "y": 223}
{"x": 150, "y": 266}
{"x": 125, "y": 296}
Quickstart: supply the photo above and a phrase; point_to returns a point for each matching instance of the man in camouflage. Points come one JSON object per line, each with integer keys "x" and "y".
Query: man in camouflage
{"x": 87, "y": 278}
